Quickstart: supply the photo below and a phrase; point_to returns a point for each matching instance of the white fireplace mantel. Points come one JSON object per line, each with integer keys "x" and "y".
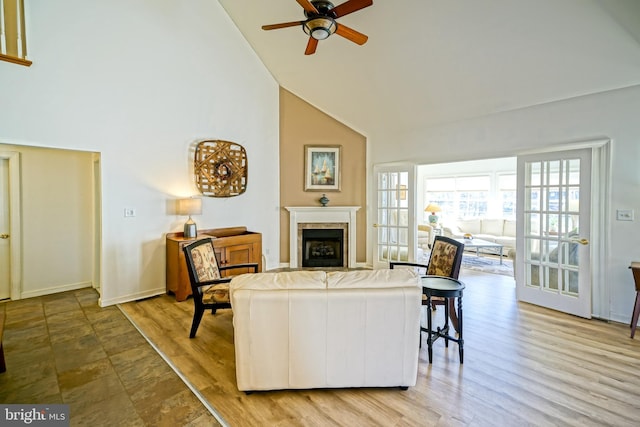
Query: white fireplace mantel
{"x": 326, "y": 214}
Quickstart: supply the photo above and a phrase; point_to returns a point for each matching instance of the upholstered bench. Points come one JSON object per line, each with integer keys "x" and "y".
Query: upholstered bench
{"x": 313, "y": 329}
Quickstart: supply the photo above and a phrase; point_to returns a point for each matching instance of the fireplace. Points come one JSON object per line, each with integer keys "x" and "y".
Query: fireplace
{"x": 323, "y": 247}
{"x": 341, "y": 218}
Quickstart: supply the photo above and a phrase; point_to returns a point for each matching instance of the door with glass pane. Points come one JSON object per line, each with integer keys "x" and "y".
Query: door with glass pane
{"x": 394, "y": 236}
{"x": 554, "y": 204}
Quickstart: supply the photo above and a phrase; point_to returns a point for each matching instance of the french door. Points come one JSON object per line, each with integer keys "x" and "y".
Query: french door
{"x": 394, "y": 237}
{"x": 553, "y": 256}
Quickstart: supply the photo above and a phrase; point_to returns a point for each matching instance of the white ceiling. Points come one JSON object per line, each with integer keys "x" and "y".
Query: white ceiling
{"x": 435, "y": 61}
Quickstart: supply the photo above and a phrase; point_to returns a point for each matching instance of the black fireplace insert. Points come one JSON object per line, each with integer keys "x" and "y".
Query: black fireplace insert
{"x": 322, "y": 247}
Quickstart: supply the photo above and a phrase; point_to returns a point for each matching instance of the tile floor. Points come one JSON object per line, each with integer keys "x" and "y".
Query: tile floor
{"x": 64, "y": 348}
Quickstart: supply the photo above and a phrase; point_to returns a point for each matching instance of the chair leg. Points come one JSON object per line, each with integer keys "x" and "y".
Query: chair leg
{"x": 636, "y": 314}
{"x": 197, "y": 317}
{"x": 3, "y": 366}
{"x": 460, "y": 339}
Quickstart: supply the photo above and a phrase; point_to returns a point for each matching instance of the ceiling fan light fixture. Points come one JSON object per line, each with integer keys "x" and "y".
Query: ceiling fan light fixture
{"x": 320, "y": 27}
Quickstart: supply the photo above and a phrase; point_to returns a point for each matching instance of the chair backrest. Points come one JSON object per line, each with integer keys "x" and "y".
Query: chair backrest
{"x": 202, "y": 263}
{"x": 446, "y": 257}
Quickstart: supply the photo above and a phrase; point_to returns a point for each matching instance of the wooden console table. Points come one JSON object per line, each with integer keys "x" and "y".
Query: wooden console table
{"x": 234, "y": 245}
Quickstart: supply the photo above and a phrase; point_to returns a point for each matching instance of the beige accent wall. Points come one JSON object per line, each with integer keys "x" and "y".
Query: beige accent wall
{"x": 302, "y": 124}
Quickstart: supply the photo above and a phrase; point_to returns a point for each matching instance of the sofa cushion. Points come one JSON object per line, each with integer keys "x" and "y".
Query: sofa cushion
{"x": 507, "y": 242}
{"x": 495, "y": 227}
{"x": 382, "y": 278}
{"x": 488, "y": 237}
{"x": 311, "y": 279}
{"x": 509, "y": 228}
{"x": 215, "y": 294}
{"x": 472, "y": 226}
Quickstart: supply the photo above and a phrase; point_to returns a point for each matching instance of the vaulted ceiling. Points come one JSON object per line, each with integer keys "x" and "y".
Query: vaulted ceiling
{"x": 429, "y": 62}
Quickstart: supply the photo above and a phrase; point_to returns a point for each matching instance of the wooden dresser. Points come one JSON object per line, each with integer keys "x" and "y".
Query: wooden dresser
{"x": 234, "y": 245}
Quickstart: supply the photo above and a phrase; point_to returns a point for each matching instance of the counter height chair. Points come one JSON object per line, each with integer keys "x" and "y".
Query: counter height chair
{"x": 209, "y": 289}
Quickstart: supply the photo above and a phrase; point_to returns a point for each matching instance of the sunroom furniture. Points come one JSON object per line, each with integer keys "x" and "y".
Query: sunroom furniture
{"x": 496, "y": 230}
{"x": 209, "y": 289}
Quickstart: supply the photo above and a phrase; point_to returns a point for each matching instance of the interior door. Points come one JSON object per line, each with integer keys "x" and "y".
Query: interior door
{"x": 394, "y": 237}
{"x": 5, "y": 260}
{"x": 553, "y": 211}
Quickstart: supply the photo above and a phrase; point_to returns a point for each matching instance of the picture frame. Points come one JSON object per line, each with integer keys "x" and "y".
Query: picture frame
{"x": 322, "y": 167}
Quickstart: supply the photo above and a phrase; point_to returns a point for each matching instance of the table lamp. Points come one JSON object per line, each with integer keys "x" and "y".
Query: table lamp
{"x": 433, "y": 208}
{"x": 190, "y": 207}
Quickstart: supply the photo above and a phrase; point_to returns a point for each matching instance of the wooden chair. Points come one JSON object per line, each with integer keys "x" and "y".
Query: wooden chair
{"x": 445, "y": 260}
{"x": 635, "y": 269}
{"x": 209, "y": 289}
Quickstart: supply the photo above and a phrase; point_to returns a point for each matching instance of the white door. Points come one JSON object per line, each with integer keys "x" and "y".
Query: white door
{"x": 5, "y": 260}
{"x": 553, "y": 210}
{"x": 394, "y": 238}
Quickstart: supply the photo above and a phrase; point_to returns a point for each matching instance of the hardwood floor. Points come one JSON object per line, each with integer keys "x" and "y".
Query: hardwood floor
{"x": 524, "y": 365}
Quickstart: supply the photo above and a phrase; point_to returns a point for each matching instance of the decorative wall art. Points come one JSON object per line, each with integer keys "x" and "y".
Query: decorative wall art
{"x": 220, "y": 168}
{"x": 322, "y": 167}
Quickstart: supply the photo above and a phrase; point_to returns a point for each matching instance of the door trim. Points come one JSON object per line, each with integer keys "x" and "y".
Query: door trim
{"x": 15, "y": 222}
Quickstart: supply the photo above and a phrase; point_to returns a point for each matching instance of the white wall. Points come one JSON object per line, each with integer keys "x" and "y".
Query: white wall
{"x": 140, "y": 82}
{"x": 611, "y": 115}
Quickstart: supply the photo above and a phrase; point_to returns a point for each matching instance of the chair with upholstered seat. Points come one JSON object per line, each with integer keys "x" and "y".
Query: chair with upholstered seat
{"x": 445, "y": 260}
{"x": 209, "y": 289}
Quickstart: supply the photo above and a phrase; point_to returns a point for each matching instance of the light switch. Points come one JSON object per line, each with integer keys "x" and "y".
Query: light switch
{"x": 624, "y": 214}
{"x": 129, "y": 212}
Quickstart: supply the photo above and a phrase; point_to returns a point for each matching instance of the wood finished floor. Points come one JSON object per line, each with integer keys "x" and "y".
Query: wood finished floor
{"x": 524, "y": 365}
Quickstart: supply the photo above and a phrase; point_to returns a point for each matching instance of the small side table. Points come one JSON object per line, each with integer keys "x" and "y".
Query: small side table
{"x": 443, "y": 287}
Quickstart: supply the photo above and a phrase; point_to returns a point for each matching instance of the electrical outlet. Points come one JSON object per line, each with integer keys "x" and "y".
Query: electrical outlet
{"x": 624, "y": 214}
{"x": 129, "y": 212}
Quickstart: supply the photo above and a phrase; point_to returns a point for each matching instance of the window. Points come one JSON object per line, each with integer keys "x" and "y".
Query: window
{"x": 507, "y": 195}
{"x": 460, "y": 197}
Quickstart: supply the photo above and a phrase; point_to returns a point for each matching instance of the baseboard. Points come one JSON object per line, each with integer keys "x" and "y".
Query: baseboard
{"x": 55, "y": 289}
{"x": 103, "y": 302}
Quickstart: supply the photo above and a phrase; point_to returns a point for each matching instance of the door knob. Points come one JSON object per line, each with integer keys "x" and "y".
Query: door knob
{"x": 581, "y": 241}
{"x": 4, "y": 236}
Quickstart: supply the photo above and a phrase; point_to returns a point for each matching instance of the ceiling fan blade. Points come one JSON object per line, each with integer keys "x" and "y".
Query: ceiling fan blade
{"x": 350, "y": 7}
{"x": 351, "y": 34}
{"x": 282, "y": 25}
{"x": 306, "y": 5}
{"x": 311, "y": 46}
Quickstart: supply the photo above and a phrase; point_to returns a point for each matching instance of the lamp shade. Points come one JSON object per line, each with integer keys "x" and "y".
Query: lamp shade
{"x": 432, "y": 207}
{"x": 189, "y": 207}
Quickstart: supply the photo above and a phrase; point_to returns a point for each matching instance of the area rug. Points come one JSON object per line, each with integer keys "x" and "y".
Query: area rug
{"x": 483, "y": 263}
{"x": 488, "y": 264}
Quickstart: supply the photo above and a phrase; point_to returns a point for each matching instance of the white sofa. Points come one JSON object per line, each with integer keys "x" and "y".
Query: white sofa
{"x": 502, "y": 231}
{"x": 316, "y": 329}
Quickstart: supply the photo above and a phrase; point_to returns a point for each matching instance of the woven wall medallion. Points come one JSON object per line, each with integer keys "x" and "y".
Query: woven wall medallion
{"x": 220, "y": 168}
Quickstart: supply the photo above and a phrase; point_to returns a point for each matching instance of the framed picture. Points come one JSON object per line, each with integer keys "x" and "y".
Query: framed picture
{"x": 322, "y": 167}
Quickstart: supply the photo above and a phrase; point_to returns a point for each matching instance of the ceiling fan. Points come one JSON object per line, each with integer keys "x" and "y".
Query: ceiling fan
{"x": 321, "y": 21}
